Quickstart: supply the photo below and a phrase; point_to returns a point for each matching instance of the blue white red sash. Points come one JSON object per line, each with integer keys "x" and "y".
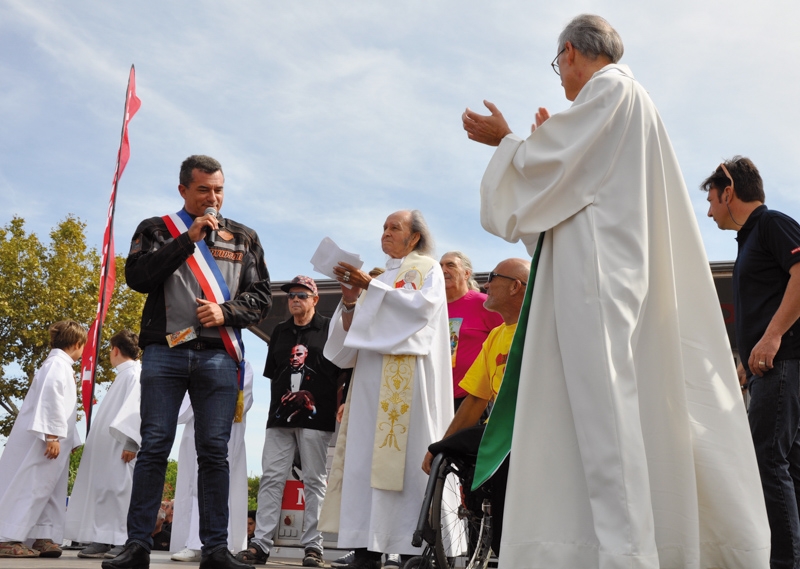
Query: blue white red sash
{"x": 204, "y": 268}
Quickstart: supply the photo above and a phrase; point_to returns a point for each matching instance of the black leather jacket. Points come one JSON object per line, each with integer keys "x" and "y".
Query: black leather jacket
{"x": 156, "y": 266}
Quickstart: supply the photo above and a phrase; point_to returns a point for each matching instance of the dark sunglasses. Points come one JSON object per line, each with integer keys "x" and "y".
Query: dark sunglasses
{"x": 493, "y": 275}
{"x": 300, "y": 295}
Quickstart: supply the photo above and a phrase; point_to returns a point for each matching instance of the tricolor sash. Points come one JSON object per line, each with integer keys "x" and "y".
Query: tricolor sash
{"x": 209, "y": 277}
{"x": 496, "y": 441}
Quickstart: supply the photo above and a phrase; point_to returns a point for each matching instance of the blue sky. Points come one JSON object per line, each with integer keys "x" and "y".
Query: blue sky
{"x": 329, "y": 116}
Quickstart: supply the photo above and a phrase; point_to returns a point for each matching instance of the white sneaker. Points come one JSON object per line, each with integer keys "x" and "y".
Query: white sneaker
{"x": 392, "y": 560}
{"x": 186, "y": 555}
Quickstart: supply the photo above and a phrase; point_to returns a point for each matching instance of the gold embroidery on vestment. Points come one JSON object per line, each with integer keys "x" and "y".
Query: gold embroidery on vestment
{"x": 398, "y": 374}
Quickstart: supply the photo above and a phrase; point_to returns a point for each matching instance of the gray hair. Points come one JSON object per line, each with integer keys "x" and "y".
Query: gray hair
{"x": 418, "y": 225}
{"x": 592, "y": 36}
{"x": 472, "y": 284}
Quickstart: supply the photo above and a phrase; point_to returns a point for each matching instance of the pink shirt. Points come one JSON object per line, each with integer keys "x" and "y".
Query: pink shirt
{"x": 470, "y": 324}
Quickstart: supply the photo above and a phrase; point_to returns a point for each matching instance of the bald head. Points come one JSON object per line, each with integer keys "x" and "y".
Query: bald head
{"x": 506, "y": 290}
{"x": 514, "y": 267}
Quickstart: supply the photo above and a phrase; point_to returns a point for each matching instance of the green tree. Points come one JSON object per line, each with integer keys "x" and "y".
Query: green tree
{"x": 170, "y": 480}
{"x": 41, "y": 284}
{"x": 74, "y": 462}
{"x": 252, "y": 492}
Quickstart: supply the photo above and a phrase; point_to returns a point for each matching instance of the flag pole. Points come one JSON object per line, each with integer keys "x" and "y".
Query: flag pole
{"x": 91, "y": 354}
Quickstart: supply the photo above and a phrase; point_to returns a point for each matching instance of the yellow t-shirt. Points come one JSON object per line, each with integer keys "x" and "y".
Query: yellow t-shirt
{"x": 484, "y": 377}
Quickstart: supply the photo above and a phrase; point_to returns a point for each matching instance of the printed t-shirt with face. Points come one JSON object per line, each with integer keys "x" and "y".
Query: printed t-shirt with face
{"x": 303, "y": 381}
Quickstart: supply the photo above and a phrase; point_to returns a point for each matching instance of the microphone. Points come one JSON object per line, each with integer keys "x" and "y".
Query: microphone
{"x": 210, "y": 233}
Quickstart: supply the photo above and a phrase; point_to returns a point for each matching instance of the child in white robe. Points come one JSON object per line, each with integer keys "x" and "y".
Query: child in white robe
{"x": 34, "y": 467}
{"x": 98, "y": 506}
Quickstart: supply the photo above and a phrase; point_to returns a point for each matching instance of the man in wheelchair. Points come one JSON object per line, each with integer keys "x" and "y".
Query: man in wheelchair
{"x": 505, "y": 291}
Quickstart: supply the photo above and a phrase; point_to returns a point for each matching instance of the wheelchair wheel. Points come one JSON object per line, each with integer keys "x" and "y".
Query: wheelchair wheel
{"x": 463, "y": 533}
{"x": 424, "y": 561}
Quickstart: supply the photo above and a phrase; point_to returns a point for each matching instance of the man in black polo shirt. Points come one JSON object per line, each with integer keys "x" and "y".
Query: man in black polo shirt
{"x": 766, "y": 292}
{"x": 302, "y": 417}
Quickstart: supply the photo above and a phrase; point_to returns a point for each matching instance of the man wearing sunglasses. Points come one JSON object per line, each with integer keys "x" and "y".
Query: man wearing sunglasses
{"x": 629, "y": 448}
{"x": 766, "y": 295}
{"x": 302, "y": 417}
{"x": 505, "y": 293}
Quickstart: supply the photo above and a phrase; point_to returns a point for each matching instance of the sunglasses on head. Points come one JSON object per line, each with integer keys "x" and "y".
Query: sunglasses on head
{"x": 727, "y": 174}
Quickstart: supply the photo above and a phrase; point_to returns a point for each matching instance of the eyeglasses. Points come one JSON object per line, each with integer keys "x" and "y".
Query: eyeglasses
{"x": 300, "y": 295}
{"x": 554, "y": 64}
{"x": 494, "y": 275}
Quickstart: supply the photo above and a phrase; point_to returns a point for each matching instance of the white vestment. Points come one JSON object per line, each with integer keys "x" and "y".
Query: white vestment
{"x": 391, "y": 320}
{"x": 101, "y": 494}
{"x": 33, "y": 488}
{"x": 186, "y": 516}
{"x": 631, "y": 446}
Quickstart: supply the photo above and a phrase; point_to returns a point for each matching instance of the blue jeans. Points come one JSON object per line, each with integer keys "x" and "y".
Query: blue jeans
{"x": 774, "y": 415}
{"x": 210, "y": 378}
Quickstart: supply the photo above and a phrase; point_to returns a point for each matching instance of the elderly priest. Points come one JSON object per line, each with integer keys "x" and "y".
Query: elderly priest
{"x": 394, "y": 330}
{"x": 630, "y": 443}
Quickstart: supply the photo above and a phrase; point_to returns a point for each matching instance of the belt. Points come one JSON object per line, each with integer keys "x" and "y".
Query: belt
{"x": 199, "y": 346}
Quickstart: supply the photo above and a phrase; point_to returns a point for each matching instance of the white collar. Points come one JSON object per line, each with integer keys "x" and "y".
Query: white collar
{"x": 62, "y": 355}
{"x": 128, "y": 364}
{"x": 392, "y": 263}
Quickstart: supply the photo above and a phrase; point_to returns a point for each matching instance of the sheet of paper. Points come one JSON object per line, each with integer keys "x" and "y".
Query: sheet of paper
{"x": 329, "y": 254}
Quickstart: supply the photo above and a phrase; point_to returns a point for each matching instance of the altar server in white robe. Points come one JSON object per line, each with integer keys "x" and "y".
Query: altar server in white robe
{"x": 35, "y": 463}
{"x": 185, "y": 537}
{"x": 630, "y": 445}
{"x": 98, "y": 506}
{"x": 401, "y": 395}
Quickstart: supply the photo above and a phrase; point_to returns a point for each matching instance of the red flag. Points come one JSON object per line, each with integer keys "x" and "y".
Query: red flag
{"x": 108, "y": 272}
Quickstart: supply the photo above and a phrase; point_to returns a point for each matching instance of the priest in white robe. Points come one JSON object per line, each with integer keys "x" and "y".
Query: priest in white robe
{"x": 185, "y": 535}
{"x": 98, "y": 506}
{"x": 630, "y": 444}
{"x": 401, "y": 395}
